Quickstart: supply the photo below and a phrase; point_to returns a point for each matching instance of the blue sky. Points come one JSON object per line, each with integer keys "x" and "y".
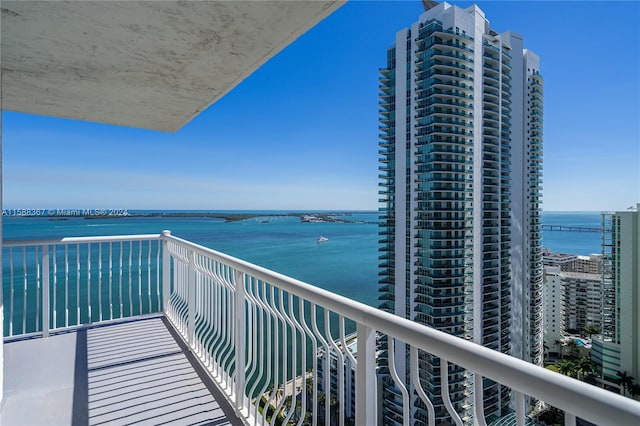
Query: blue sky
{"x": 302, "y": 131}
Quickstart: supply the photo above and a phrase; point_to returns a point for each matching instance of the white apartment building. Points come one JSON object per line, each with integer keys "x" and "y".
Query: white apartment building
{"x": 618, "y": 349}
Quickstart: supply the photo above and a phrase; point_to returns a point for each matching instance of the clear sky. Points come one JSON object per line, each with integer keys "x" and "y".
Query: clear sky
{"x": 302, "y": 131}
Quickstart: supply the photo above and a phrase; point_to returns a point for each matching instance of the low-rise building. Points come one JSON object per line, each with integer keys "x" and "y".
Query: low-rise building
{"x": 582, "y": 298}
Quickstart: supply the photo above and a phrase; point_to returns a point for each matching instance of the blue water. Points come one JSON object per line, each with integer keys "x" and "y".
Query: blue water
{"x": 346, "y": 264}
{"x": 584, "y": 243}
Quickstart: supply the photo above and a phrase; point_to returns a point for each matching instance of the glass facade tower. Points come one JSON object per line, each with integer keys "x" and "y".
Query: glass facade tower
{"x": 460, "y": 170}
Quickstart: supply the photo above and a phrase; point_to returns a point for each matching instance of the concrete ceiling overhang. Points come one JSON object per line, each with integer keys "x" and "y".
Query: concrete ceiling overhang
{"x": 147, "y": 64}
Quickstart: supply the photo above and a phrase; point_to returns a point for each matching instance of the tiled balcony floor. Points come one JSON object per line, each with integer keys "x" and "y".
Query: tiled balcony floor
{"x": 129, "y": 373}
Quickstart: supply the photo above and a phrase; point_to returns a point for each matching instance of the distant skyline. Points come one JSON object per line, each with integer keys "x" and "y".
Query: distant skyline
{"x": 302, "y": 131}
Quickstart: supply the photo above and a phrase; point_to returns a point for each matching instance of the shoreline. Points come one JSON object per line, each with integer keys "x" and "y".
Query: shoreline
{"x": 307, "y": 217}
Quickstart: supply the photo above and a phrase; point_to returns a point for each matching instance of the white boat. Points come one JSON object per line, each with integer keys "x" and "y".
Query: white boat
{"x": 322, "y": 239}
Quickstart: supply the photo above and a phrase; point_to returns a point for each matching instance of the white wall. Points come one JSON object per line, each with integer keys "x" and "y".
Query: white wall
{"x": 552, "y": 296}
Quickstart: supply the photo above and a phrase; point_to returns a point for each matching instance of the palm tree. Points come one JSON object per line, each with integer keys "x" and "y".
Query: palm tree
{"x": 574, "y": 349}
{"x": 335, "y": 410}
{"x": 567, "y": 368}
{"x": 559, "y": 343}
{"x": 584, "y": 366}
{"x": 591, "y": 330}
{"x": 625, "y": 381}
{"x": 634, "y": 390}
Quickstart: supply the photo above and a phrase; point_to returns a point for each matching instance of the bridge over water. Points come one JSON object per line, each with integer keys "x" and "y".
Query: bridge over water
{"x": 570, "y": 228}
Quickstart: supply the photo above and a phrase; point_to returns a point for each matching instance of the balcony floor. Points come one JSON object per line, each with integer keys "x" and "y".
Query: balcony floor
{"x": 137, "y": 372}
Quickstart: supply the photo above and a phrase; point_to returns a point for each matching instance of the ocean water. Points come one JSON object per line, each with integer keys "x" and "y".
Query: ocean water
{"x": 346, "y": 264}
{"x": 584, "y": 243}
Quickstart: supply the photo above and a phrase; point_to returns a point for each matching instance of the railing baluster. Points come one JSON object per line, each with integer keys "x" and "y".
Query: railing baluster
{"x": 339, "y": 366}
{"x": 259, "y": 344}
{"x": 110, "y": 280}
{"x": 120, "y": 281}
{"x": 406, "y": 409}
{"x": 89, "y": 282}
{"x": 444, "y": 380}
{"x": 54, "y": 308}
{"x": 78, "y": 320}
{"x": 327, "y": 363}
{"x": 158, "y": 273}
{"x": 366, "y": 398}
{"x": 228, "y": 327}
{"x": 478, "y": 399}
{"x": 265, "y": 301}
{"x": 240, "y": 339}
{"x": 520, "y": 411}
{"x": 45, "y": 291}
{"x": 12, "y": 289}
{"x": 297, "y": 328}
{"x": 417, "y": 383}
{"x": 38, "y": 284}
{"x": 191, "y": 299}
{"x": 149, "y": 309}
{"x": 66, "y": 285}
{"x": 569, "y": 419}
{"x": 166, "y": 270}
{"x": 24, "y": 300}
{"x": 314, "y": 367}
{"x": 130, "y": 278}
{"x": 140, "y": 278}
{"x": 99, "y": 281}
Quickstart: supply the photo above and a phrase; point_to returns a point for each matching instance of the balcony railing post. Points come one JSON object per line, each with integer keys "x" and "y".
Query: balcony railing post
{"x": 520, "y": 408}
{"x": 45, "y": 291}
{"x": 366, "y": 386}
{"x": 240, "y": 340}
{"x": 166, "y": 271}
{"x": 191, "y": 298}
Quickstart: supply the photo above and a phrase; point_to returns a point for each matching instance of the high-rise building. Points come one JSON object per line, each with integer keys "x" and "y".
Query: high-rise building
{"x": 618, "y": 348}
{"x": 461, "y": 162}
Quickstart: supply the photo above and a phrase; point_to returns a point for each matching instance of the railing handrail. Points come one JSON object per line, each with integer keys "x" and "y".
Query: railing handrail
{"x": 81, "y": 240}
{"x": 585, "y": 400}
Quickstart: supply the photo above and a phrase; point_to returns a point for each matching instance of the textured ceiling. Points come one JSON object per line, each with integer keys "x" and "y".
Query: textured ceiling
{"x": 148, "y": 64}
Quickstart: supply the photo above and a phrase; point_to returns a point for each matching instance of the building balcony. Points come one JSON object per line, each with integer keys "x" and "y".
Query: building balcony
{"x": 154, "y": 328}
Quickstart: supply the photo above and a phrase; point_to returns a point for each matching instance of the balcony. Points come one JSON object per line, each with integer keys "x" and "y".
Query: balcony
{"x": 155, "y": 328}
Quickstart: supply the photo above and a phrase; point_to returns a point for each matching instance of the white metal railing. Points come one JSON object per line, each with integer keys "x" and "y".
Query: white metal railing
{"x": 262, "y": 335}
{"x": 256, "y": 331}
{"x": 61, "y": 283}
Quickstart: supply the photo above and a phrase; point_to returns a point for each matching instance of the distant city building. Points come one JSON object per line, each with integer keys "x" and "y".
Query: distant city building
{"x": 552, "y": 294}
{"x": 461, "y": 167}
{"x": 591, "y": 264}
{"x": 582, "y": 299}
{"x": 558, "y": 260}
{"x": 349, "y": 373}
{"x": 572, "y": 297}
{"x": 618, "y": 349}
